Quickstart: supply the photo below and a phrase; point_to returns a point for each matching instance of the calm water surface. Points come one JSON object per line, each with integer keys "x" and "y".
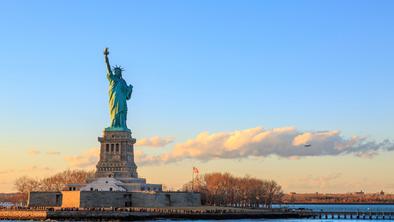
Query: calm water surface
{"x": 249, "y": 220}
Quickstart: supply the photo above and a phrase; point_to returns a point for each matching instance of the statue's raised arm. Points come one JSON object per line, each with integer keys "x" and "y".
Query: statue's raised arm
{"x": 109, "y": 71}
{"x": 119, "y": 92}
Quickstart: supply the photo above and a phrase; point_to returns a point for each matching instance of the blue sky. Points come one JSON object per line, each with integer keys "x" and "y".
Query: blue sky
{"x": 196, "y": 66}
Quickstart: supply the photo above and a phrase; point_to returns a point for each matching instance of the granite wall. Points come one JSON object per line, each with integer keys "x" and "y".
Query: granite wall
{"x": 165, "y": 199}
{"x": 138, "y": 199}
{"x": 118, "y": 199}
{"x": 44, "y": 199}
{"x": 184, "y": 199}
{"x": 103, "y": 199}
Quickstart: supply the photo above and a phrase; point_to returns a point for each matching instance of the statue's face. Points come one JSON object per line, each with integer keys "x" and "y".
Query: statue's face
{"x": 118, "y": 72}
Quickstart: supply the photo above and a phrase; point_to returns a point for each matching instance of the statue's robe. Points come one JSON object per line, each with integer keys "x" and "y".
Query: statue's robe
{"x": 119, "y": 93}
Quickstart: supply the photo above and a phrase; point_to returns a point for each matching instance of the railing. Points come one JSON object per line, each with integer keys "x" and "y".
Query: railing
{"x": 359, "y": 215}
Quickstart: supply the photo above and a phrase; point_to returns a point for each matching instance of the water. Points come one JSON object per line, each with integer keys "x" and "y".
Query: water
{"x": 252, "y": 220}
{"x": 278, "y": 220}
{"x": 281, "y": 220}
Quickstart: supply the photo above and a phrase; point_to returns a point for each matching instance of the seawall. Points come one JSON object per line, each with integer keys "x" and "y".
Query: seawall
{"x": 147, "y": 214}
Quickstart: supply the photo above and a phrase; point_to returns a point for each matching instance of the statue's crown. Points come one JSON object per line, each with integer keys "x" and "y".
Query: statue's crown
{"x": 118, "y": 68}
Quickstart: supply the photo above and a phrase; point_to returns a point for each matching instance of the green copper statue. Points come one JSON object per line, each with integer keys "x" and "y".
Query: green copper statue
{"x": 119, "y": 93}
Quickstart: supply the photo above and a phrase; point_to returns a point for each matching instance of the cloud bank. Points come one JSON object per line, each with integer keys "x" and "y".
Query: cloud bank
{"x": 287, "y": 142}
{"x": 33, "y": 152}
{"x": 36, "y": 152}
{"x": 155, "y": 141}
{"x": 53, "y": 153}
{"x": 87, "y": 159}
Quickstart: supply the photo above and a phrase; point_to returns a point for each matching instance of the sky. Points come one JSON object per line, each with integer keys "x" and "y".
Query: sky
{"x": 228, "y": 86}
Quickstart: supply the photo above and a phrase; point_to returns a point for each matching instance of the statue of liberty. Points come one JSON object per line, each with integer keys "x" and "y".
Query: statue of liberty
{"x": 119, "y": 93}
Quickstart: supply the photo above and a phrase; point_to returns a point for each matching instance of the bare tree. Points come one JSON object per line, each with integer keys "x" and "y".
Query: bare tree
{"x": 26, "y": 184}
{"x": 53, "y": 183}
{"x": 224, "y": 189}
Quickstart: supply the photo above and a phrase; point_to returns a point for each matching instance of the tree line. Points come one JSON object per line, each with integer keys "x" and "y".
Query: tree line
{"x": 56, "y": 182}
{"x": 224, "y": 189}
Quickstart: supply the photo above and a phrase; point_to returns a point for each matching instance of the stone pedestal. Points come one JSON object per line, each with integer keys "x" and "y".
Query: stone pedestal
{"x": 116, "y": 155}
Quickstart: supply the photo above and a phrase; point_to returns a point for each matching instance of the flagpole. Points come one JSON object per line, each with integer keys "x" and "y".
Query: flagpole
{"x": 193, "y": 180}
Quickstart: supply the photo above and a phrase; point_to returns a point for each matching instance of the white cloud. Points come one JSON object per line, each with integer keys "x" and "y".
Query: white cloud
{"x": 285, "y": 142}
{"x": 33, "y": 152}
{"x": 155, "y": 141}
{"x": 36, "y": 152}
{"x": 54, "y": 153}
{"x": 87, "y": 159}
{"x": 6, "y": 171}
{"x": 36, "y": 168}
